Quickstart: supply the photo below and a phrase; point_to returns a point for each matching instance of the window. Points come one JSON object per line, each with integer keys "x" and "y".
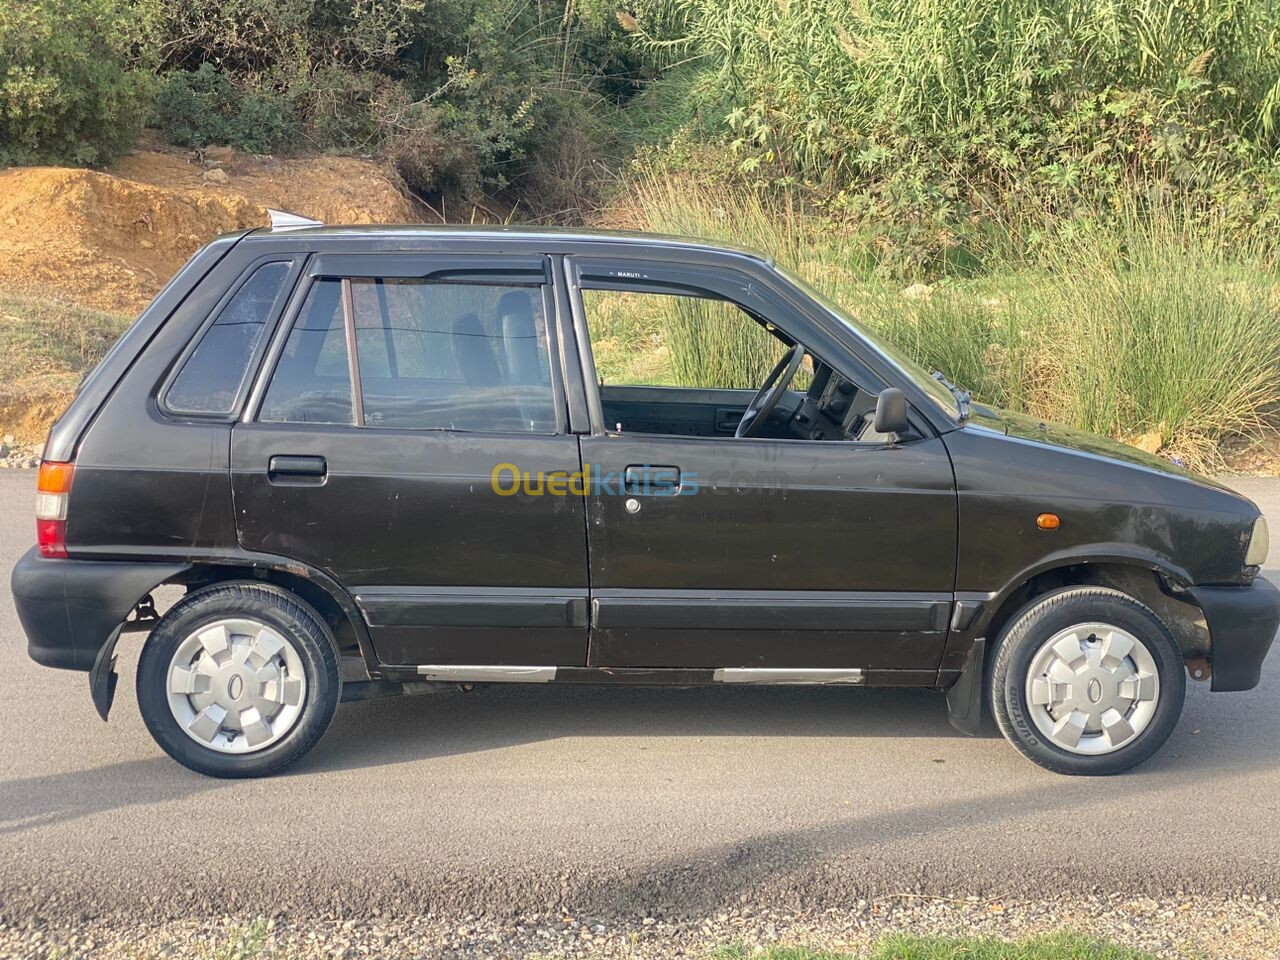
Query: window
{"x": 655, "y": 339}
{"x": 683, "y": 364}
{"x": 312, "y": 380}
{"x": 431, "y": 356}
{"x": 211, "y": 378}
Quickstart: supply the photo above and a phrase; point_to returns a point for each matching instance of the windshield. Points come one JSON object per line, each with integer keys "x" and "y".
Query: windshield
{"x": 948, "y": 401}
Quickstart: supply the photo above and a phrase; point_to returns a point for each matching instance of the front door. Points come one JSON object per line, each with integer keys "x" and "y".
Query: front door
{"x": 370, "y": 446}
{"x": 717, "y": 552}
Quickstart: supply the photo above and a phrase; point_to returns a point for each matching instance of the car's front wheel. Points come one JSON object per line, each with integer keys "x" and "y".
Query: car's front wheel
{"x": 1087, "y": 680}
{"x": 238, "y": 680}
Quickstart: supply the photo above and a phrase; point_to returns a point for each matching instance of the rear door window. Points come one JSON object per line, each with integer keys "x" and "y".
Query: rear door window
{"x": 430, "y": 356}
{"x": 312, "y": 379}
{"x": 453, "y": 356}
{"x": 212, "y": 377}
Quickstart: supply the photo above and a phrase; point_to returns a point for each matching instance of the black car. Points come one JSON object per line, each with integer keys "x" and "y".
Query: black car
{"x": 380, "y": 458}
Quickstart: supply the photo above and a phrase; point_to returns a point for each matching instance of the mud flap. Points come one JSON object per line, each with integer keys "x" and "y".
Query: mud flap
{"x": 103, "y": 677}
{"x": 964, "y": 699}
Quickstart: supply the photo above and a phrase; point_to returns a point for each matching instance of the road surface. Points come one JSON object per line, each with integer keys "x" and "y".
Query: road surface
{"x": 608, "y": 802}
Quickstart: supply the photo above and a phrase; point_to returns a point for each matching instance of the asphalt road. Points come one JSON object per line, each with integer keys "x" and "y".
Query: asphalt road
{"x": 608, "y": 801}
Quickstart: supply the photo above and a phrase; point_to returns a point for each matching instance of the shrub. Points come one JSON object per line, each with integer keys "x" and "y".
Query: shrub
{"x": 928, "y": 120}
{"x": 69, "y": 92}
{"x": 259, "y": 37}
{"x": 203, "y": 107}
{"x": 466, "y": 97}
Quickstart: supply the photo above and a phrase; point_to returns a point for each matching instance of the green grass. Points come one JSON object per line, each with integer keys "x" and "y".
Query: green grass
{"x": 46, "y": 343}
{"x": 1061, "y": 946}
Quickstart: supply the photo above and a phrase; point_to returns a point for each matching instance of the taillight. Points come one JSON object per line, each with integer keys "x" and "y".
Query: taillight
{"x": 52, "y": 491}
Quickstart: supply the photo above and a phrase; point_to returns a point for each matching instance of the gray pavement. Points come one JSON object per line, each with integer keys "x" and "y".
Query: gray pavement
{"x": 608, "y": 802}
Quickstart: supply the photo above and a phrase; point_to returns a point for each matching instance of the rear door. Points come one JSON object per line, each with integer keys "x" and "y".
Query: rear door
{"x": 395, "y": 388}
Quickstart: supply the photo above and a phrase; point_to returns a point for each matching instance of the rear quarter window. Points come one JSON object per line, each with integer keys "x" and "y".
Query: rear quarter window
{"x": 213, "y": 374}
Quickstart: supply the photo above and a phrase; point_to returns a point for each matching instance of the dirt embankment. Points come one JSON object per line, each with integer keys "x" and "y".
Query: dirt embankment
{"x": 112, "y": 239}
{"x": 109, "y": 240}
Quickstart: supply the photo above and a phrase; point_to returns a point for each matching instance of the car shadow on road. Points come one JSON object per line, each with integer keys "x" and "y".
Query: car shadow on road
{"x": 415, "y": 728}
{"x": 419, "y": 728}
{"x": 58, "y": 797}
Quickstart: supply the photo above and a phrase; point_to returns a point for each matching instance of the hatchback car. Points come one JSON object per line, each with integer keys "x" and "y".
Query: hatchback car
{"x": 377, "y": 458}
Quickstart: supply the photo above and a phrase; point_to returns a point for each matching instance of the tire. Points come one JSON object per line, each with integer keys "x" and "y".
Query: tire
{"x": 1048, "y": 689}
{"x": 239, "y": 679}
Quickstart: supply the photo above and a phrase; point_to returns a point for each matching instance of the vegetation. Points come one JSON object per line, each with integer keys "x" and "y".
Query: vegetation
{"x": 465, "y": 98}
{"x": 51, "y": 344}
{"x": 1062, "y": 946}
{"x": 242, "y": 944}
{"x": 940, "y": 119}
{"x": 1089, "y": 191}
{"x": 72, "y": 87}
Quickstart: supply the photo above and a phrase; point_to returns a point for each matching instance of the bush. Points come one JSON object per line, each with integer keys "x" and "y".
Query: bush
{"x": 466, "y": 97}
{"x": 203, "y": 107}
{"x": 69, "y": 90}
{"x": 931, "y": 120}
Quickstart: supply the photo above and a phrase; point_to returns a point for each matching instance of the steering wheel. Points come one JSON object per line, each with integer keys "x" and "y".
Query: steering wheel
{"x": 767, "y": 397}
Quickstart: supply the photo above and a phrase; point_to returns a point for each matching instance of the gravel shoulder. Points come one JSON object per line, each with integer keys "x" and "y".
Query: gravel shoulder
{"x": 1179, "y": 928}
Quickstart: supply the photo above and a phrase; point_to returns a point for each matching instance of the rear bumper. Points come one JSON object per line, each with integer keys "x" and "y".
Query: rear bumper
{"x": 1242, "y": 625}
{"x": 70, "y": 609}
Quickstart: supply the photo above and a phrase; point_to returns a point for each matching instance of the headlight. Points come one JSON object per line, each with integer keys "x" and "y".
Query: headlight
{"x": 1259, "y": 543}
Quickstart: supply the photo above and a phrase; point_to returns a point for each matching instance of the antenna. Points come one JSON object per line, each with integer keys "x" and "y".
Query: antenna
{"x": 282, "y": 220}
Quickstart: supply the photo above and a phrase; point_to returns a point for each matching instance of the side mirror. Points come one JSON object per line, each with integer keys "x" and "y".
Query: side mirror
{"x": 891, "y": 411}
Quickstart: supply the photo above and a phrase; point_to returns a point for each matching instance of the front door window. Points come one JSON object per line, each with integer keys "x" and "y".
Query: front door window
{"x": 693, "y": 365}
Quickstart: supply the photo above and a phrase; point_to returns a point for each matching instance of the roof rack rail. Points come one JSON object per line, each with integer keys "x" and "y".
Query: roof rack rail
{"x": 283, "y": 220}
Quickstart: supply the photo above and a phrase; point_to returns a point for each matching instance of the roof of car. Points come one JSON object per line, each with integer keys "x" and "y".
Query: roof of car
{"x": 523, "y": 234}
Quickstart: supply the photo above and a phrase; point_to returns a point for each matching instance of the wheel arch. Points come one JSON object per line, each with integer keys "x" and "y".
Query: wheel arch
{"x": 971, "y": 653}
{"x": 1162, "y": 588}
{"x": 334, "y": 605}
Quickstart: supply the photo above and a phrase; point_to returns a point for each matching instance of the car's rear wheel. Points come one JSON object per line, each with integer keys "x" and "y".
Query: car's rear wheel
{"x": 1087, "y": 680}
{"x": 238, "y": 680}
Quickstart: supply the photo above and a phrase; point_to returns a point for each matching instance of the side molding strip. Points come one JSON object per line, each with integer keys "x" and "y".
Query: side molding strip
{"x": 785, "y": 675}
{"x": 521, "y": 674}
{"x": 486, "y": 674}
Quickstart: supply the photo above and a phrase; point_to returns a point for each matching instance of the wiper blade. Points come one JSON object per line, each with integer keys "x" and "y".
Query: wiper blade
{"x": 962, "y": 396}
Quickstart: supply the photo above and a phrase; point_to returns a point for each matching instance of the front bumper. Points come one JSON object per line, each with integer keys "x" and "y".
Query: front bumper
{"x": 1242, "y": 625}
{"x": 70, "y": 609}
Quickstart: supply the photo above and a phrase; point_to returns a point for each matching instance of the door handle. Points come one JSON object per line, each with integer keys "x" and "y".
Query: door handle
{"x": 652, "y": 479}
{"x": 728, "y": 418}
{"x": 283, "y": 468}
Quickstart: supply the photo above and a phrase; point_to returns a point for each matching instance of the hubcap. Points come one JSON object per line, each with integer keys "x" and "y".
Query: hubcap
{"x": 236, "y": 686}
{"x": 1092, "y": 688}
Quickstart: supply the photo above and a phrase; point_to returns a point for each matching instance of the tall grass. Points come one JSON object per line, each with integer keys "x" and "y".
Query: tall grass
{"x": 677, "y": 341}
{"x": 1156, "y": 327}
